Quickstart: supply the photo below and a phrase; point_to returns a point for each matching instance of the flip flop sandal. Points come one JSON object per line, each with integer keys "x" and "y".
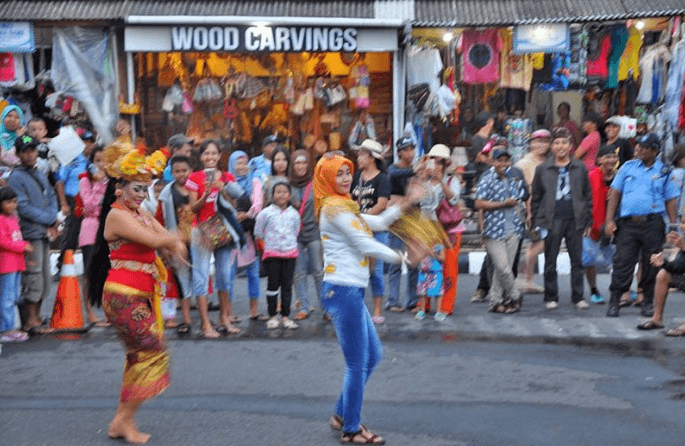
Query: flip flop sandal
{"x": 183, "y": 329}
{"x": 259, "y": 317}
{"x": 676, "y": 332}
{"x": 650, "y": 325}
{"x": 349, "y": 438}
{"x": 499, "y": 308}
{"x": 224, "y": 330}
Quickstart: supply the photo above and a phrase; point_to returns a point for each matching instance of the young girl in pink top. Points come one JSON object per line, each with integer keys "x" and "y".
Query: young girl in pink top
{"x": 12, "y": 249}
{"x": 276, "y": 230}
{"x": 92, "y": 186}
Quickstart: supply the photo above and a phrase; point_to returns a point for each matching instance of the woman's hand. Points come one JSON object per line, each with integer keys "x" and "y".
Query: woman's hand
{"x": 28, "y": 248}
{"x": 657, "y": 259}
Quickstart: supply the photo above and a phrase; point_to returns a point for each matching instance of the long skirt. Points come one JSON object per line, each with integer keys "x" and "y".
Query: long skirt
{"x": 146, "y": 368}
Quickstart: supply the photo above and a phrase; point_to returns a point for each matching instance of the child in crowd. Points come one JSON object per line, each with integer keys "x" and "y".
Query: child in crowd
{"x": 38, "y": 130}
{"x": 92, "y": 186}
{"x": 247, "y": 207}
{"x": 430, "y": 283}
{"x": 173, "y": 212}
{"x": 276, "y": 230}
{"x": 12, "y": 249}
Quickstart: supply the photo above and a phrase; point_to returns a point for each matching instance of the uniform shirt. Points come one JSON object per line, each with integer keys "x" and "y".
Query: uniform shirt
{"x": 69, "y": 175}
{"x": 493, "y": 188}
{"x": 260, "y": 168}
{"x": 644, "y": 189}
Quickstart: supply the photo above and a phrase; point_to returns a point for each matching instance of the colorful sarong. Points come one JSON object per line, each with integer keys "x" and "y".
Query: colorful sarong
{"x": 146, "y": 371}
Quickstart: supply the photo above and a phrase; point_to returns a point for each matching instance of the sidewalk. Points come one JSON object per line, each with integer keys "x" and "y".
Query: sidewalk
{"x": 533, "y": 324}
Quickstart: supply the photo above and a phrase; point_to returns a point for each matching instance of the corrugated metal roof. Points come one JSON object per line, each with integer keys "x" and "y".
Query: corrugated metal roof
{"x": 50, "y": 10}
{"x": 454, "y": 13}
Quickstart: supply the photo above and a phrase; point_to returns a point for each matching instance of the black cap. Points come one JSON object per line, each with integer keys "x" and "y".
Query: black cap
{"x": 650, "y": 141}
{"x": 24, "y": 143}
{"x": 269, "y": 139}
{"x": 499, "y": 152}
{"x": 404, "y": 142}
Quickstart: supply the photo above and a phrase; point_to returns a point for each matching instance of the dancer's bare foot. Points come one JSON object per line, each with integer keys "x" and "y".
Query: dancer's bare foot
{"x": 126, "y": 431}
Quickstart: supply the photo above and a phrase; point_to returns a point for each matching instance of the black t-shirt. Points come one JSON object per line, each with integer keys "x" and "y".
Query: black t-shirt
{"x": 623, "y": 149}
{"x": 367, "y": 193}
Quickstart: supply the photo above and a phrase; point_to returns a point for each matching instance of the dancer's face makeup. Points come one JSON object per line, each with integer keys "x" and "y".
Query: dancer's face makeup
{"x": 134, "y": 193}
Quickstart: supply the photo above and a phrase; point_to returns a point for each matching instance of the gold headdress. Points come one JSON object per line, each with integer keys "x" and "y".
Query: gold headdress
{"x": 124, "y": 162}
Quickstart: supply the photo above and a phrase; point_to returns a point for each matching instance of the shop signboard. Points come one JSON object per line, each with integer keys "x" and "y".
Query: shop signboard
{"x": 541, "y": 38}
{"x": 263, "y": 38}
{"x": 266, "y": 39}
{"x": 17, "y": 37}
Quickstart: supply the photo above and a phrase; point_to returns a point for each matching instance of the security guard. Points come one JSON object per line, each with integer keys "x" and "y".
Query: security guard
{"x": 645, "y": 188}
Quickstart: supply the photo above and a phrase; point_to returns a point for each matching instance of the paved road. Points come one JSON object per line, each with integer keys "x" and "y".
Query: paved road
{"x": 280, "y": 392}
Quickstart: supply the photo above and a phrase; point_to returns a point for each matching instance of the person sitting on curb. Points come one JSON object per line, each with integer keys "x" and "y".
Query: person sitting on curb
{"x": 671, "y": 274}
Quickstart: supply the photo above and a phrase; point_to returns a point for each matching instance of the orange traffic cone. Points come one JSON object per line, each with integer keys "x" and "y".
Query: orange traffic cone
{"x": 67, "y": 314}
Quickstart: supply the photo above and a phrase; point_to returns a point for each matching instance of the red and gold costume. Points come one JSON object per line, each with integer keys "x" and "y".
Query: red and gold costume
{"x": 132, "y": 292}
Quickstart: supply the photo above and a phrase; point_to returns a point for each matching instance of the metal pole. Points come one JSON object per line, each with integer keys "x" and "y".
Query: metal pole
{"x": 131, "y": 92}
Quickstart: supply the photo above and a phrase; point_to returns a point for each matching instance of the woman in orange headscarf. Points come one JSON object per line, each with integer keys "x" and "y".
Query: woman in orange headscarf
{"x": 348, "y": 244}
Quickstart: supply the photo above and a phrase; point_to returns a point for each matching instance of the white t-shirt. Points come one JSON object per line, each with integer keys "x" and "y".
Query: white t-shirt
{"x": 424, "y": 65}
{"x": 646, "y": 68}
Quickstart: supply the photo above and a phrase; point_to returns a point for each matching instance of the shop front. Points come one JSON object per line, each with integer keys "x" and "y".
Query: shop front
{"x": 318, "y": 84}
{"x": 522, "y": 68}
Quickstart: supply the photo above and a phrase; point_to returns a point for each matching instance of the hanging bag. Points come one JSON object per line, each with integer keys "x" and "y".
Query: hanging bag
{"x": 449, "y": 216}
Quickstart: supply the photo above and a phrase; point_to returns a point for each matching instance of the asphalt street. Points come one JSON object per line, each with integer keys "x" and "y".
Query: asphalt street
{"x": 563, "y": 377}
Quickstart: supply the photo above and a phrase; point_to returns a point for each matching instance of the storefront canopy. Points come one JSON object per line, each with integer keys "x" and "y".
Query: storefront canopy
{"x": 55, "y": 10}
{"x": 463, "y": 13}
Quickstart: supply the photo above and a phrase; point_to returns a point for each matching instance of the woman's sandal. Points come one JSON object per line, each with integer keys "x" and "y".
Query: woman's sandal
{"x": 498, "y": 308}
{"x": 676, "y": 332}
{"x": 362, "y": 436}
{"x": 183, "y": 329}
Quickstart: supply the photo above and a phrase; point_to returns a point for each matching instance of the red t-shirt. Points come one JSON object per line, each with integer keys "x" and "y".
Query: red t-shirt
{"x": 196, "y": 183}
{"x": 480, "y": 56}
{"x": 599, "y": 201}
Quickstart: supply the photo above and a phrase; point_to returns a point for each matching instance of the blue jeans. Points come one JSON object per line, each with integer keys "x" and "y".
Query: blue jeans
{"x": 360, "y": 344}
{"x": 377, "y": 277}
{"x": 10, "y": 286}
{"x": 201, "y": 258}
{"x": 310, "y": 259}
{"x": 252, "y": 271}
{"x": 395, "y": 275}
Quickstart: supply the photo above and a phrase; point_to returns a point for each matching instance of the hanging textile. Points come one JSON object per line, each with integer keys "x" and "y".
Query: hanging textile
{"x": 630, "y": 59}
{"x": 423, "y": 66}
{"x": 674, "y": 86}
{"x": 652, "y": 69}
{"x": 619, "y": 38}
{"x": 480, "y": 56}
{"x": 577, "y": 74}
{"x": 516, "y": 70}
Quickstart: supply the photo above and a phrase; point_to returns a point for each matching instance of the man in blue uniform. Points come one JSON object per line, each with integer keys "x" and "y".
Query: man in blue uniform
{"x": 645, "y": 189}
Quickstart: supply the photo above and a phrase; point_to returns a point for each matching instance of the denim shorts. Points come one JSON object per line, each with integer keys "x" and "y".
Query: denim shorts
{"x": 201, "y": 260}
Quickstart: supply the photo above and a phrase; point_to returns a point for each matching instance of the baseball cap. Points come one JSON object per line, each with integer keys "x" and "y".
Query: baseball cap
{"x": 439, "y": 151}
{"x": 650, "y": 140}
{"x": 179, "y": 140}
{"x": 614, "y": 120}
{"x": 500, "y": 152}
{"x": 24, "y": 143}
{"x": 541, "y": 134}
{"x": 269, "y": 139}
{"x": 404, "y": 142}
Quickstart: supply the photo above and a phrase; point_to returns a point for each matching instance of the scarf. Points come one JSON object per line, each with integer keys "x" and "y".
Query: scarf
{"x": 325, "y": 174}
{"x": 245, "y": 181}
{"x": 7, "y": 138}
{"x": 302, "y": 181}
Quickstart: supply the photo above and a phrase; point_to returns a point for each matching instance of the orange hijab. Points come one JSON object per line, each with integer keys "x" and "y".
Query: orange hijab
{"x": 325, "y": 174}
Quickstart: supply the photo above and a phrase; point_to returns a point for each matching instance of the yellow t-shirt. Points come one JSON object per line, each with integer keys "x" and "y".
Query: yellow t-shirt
{"x": 630, "y": 59}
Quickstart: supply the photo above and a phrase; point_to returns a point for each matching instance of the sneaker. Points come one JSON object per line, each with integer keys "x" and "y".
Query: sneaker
{"x": 289, "y": 324}
{"x": 597, "y": 299}
{"x": 440, "y": 317}
{"x": 272, "y": 324}
{"x": 551, "y": 305}
{"x": 582, "y": 305}
{"x": 420, "y": 315}
{"x": 478, "y": 296}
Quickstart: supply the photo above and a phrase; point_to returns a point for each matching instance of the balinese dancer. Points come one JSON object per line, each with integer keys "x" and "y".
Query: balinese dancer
{"x": 126, "y": 279}
{"x": 348, "y": 245}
